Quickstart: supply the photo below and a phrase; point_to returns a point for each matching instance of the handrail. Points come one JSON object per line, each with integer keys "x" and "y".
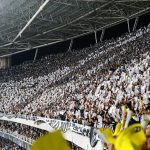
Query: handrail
{"x": 72, "y": 131}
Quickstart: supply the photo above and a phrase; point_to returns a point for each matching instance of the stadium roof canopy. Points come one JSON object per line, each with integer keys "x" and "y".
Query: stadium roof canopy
{"x": 28, "y": 24}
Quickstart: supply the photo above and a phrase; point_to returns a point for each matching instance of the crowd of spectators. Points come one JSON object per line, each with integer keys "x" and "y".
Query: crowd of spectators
{"x": 82, "y": 86}
{"x": 6, "y": 144}
{"x": 24, "y": 132}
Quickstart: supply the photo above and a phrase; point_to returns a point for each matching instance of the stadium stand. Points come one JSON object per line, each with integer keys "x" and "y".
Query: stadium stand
{"x": 7, "y": 144}
{"x": 27, "y": 132}
{"x": 81, "y": 86}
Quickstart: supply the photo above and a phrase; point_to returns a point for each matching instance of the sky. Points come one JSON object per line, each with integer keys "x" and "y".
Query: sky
{"x": 80, "y": 42}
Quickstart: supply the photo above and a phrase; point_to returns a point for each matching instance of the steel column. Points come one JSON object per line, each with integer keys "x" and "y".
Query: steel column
{"x": 135, "y": 23}
{"x": 102, "y": 35}
{"x": 70, "y": 46}
{"x": 128, "y": 23}
{"x": 36, "y": 52}
{"x": 95, "y": 36}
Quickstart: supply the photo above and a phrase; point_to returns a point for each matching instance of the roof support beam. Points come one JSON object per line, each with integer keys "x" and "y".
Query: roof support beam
{"x": 122, "y": 1}
{"x": 78, "y": 24}
{"x": 31, "y": 20}
{"x": 16, "y": 48}
{"x": 75, "y": 20}
{"x": 63, "y": 3}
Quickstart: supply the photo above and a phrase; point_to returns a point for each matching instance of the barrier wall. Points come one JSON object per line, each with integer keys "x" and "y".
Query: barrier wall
{"x": 16, "y": 140}
{"x": 75, "y": 133}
